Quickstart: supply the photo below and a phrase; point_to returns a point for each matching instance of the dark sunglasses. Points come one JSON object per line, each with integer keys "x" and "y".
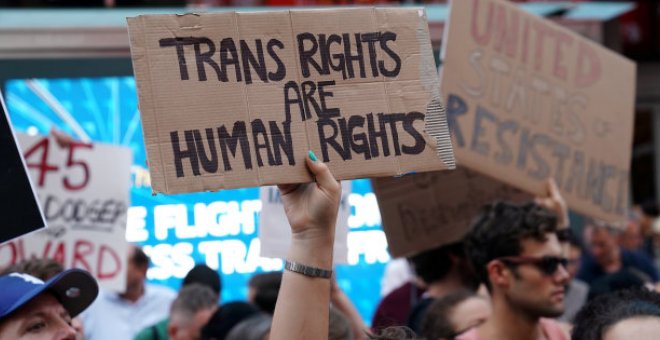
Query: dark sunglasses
{"x": 546, "y": 264}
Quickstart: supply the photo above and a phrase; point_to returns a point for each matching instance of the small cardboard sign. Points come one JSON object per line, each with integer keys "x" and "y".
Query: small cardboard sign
{"x": 84, "y": 191}
{"x": 233, "y": 100}
{"x": 19, "y": 206}
{"x": 428, "y": 210}
{"x": 275, "y": 231}
{"x": 528, "y": 99}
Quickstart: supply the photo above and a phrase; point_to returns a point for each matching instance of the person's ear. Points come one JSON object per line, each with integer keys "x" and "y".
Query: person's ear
{"x": 498, "y": 274}
{"x": 143, "y": 270}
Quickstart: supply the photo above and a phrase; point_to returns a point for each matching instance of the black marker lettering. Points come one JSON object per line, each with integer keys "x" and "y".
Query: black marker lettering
{"x": 384, "y": 38}
{"x": 257, "y": 63}
{"x": 179, "y": 154}
{"x": 282, "y": 142}
{"x": 205, "y": 58}
{"x": 280, "y": 73}
{"x": 238, "y": 135}
{"x": 258, "y": 129}
{"x": 408, "y": 125}
{"x": 181, "y": 56}
{"x": 210, "y": 165}
{"x": 307, "y": 56}
{"x": 227, "y": 48}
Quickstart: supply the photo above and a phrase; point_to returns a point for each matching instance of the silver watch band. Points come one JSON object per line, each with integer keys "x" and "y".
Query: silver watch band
{"x": 307, "y": 270}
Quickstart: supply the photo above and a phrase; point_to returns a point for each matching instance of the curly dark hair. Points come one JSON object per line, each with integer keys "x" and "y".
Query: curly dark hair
{"x": 605, "y": 311}
{"x": 500, "y": 227}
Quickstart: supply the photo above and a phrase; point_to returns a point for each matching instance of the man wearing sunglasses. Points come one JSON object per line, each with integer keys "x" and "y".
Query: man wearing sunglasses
{"x": 516, "y": 253}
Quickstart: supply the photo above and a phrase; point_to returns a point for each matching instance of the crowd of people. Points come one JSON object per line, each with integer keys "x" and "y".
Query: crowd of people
{"x": 520, "y": 272}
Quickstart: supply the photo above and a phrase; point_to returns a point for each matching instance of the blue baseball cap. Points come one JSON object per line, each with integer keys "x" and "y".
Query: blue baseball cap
{"x": 75, "y": 289}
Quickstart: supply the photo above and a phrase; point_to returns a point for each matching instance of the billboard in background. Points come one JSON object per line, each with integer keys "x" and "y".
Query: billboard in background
{"x": 220, "y": 228}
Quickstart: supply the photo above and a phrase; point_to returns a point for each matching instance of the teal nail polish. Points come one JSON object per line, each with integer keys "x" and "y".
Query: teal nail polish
{"x": 312, "y": 156}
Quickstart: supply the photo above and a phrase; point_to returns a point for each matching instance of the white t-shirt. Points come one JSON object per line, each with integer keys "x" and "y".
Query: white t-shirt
{"x": 113, "y": 318}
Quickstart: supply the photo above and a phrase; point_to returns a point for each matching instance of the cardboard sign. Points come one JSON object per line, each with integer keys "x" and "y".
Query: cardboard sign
{"x": 19, "y": 206}
{"x": 233, "y": 100}
{"x": 528, "y": 99}
{"x": 424, "y": 211}
{"x": 84, "y": 192}
{"x": 275, "y": 231}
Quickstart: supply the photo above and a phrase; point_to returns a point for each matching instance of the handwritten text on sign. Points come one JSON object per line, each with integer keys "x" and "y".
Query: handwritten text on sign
{"x": 239, "y": 100}
{"x": 84, "y": 194}
{"x": 424, "y": 211}
{"x": 527, "y": 100}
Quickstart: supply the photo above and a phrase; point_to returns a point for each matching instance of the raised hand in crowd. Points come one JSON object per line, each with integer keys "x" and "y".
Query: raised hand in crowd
{"x": 302, "y": 308}
{"x": 554, "y": 201}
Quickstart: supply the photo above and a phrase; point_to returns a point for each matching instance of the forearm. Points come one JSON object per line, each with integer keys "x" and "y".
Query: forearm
{"x": 302, "y": 309}
{"x": 303, "y": 302}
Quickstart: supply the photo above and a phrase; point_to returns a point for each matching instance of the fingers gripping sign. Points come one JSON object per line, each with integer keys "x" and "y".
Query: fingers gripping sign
{"x": 312, "y": 208}
{"x": 554, "y": 202}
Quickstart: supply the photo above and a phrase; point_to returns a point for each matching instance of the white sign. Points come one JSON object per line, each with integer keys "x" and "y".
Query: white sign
{"x": 84, "y": 193}
{"x": 275, "y": 232}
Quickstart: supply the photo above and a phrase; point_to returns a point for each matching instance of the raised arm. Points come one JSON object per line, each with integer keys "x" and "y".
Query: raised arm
{"x": 302, "y": 306}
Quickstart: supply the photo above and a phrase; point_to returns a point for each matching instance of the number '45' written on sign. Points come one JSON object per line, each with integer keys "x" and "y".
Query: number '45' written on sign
{"x": 36, "y": 158}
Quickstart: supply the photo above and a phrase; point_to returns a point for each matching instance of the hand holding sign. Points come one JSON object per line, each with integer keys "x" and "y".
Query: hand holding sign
{"x": 554, "y": 202}
{"x": 312, "y": 208}
{"x": 302, "y": 305}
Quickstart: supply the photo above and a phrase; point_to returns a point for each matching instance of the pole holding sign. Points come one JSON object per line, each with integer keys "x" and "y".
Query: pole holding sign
{"x": 84, "y": 191}
{"x": 233, "y": 100}
{"x": 528, "y": 99}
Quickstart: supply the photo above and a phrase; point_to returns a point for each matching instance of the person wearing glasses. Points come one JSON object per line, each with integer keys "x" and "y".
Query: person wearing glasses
{"x": 516, "y": 253}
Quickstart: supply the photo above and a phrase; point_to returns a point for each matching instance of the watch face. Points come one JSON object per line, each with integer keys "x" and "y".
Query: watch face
{"x": 19, "y": 207}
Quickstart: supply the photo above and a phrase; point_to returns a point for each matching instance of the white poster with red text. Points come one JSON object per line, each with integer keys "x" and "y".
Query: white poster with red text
{"x": 84, "y": 193}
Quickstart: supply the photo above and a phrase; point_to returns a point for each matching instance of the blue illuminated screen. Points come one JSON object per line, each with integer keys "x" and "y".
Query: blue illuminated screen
{"x": 177, "y": 231}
